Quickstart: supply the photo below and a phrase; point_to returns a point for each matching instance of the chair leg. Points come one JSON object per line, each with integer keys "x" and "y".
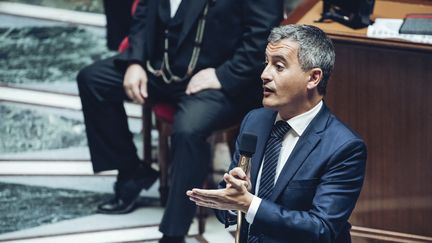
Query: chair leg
{"x": 202, "y": 216}
{"x": 202, "y": 213}
{"x": 147, "y": 126}
{"x": 164, "y": 132}
{"x": 228, "y": 136}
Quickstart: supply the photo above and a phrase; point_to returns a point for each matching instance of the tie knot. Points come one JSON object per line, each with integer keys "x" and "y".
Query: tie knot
{"x": 280, "y": 128}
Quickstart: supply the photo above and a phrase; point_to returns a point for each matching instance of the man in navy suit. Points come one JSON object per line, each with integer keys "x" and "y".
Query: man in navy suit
{"x": 308, "y": 168}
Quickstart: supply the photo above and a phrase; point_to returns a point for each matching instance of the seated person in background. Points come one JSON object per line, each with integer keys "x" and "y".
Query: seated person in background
{"x": 202, "y": 56}
{"x": 308, "y": 168}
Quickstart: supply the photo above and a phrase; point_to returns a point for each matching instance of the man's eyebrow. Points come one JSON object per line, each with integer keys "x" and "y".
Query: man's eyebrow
{"x": 276, "y": 57}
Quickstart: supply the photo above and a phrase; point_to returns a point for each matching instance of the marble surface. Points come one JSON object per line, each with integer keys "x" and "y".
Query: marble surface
{"x": 48, "y": 56}
{"x": 29, "y": 206}
{"x": 47, "y": 133}
{"x": 77, "y": 5}
{"x": 24, "y": 206}
{"x": 32, "y": 130}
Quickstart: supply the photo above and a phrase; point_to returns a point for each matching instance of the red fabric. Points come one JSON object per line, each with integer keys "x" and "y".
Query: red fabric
{"x": 164, "y": 111}
{"x": 123, "y": 45}
{"x": 134, "y": 6}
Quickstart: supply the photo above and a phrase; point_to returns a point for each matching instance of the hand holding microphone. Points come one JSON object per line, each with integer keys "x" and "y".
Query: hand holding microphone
{"x": 247, "y": 147}
{"x": 236, "y": 180}
{"x": 236, "y": 195}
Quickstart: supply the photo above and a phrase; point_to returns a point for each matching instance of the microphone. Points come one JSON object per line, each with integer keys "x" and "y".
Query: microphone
{"x": 247, "y": 147}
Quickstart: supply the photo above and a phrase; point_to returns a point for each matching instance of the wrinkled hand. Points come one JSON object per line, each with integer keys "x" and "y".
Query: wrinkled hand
{"x": 235, "y": 196}
{"x": 204, "y": 79}
{"x": 135, "y": 83}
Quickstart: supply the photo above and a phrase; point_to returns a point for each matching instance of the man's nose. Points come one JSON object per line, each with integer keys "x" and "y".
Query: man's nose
{"x": 265, "y": 75}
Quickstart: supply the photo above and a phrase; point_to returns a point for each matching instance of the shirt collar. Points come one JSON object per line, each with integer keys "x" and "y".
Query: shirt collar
{"x": 300, "y": 122}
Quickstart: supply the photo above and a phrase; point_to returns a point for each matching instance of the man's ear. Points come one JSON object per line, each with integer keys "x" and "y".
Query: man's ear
{"x": 315, "y": 76}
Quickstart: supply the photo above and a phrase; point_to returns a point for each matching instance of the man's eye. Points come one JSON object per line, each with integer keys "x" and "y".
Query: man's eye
{"x": 280, "y": 68}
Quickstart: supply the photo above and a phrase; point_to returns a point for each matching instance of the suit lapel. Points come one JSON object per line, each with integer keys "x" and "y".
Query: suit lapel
{"x": 264, "y": 128}
{"x": 302, "y": 149}
{"x": 194, "y": 10}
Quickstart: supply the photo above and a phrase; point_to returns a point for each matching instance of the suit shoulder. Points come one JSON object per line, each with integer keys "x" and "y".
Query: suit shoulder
{"x": 341, "y": 132}
{"x": 259, "y": 114}
{"x": 255, "y": 118}
{"x": 261, "y": 111}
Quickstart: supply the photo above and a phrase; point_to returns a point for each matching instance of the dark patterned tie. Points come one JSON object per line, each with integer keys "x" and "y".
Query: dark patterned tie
{"x": 271, "y": 157}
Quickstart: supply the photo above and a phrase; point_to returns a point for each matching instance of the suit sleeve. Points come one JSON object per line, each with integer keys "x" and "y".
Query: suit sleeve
{"x": 260, "y": 16}
{"x": 135, "y": 53}
{"x": 332, "y": 204}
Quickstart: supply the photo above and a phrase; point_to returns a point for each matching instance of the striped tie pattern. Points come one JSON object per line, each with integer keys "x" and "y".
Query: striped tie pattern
{"x": 271, "y": 157}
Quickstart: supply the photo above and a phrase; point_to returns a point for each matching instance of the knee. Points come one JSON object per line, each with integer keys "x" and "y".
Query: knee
{"x": 190, "y": 131}
{"x": 185, "y": 132}
{"x": 85, "y": 76}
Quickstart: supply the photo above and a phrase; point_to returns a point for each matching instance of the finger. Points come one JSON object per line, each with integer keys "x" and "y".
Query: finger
{"x": 199, "y": 199}
{"x": 195, "y": 86}
{"x": 228, "y": 181}
{"x": 136, "y": 94}
{"x": 238, "y": 173}
{"x": 129, "y": 93}
{"x": 215, "y": 193}
{"x": 204, "y": 201}
{"x": 143, "y": 89}
{"x": 214, "y": 205}
{"x": 196, "y": 89}
{"x": 208, "y": 205}
{"x": 236, "y": 183}
{"x": 225, "y": 176}
{"x": 192, "y": 193}
{"x": 189, "y": 87}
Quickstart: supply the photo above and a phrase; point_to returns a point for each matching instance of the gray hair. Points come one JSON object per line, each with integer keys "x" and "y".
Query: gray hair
{"x": 316, "y": 50}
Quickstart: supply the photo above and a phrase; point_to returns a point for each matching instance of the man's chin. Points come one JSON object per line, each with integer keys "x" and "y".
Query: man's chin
{"x": 268, "y": 104}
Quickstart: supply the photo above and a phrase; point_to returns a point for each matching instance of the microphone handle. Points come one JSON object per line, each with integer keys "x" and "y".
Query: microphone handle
{"x": 244, "y": 164}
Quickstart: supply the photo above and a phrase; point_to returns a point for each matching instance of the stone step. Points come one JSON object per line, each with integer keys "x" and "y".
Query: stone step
{"x": 51, "y": 99}
{"x": 56, "y": 14}
{"x": 48, "y": 167}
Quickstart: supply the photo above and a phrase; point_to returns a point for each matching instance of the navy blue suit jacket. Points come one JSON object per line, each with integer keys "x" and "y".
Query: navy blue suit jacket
{"x": 318, "y": 186}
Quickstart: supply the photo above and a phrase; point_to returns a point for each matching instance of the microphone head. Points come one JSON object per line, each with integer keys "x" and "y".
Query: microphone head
{"x": 247, "y": 144}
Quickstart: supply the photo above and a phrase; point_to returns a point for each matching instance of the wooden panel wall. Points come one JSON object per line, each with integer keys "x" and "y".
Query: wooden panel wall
{"x": 385, "y": 94}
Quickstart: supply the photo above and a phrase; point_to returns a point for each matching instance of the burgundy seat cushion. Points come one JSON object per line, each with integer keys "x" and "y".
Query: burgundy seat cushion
{"x": 164, "y": 111}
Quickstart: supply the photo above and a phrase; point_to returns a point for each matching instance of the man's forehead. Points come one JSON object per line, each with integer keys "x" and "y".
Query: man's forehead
{"x": 283, "y": 47}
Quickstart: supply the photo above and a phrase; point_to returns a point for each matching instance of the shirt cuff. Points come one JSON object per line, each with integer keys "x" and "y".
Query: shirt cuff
{"x": 253, "y": 208}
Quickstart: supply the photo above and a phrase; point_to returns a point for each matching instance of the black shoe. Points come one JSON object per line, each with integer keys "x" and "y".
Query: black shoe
{"x": 127, "y": 192}
{"x": 172, "y": 239}
{"x": 116, "y": 205}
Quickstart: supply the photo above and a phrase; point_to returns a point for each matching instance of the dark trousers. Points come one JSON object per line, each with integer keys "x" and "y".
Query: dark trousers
{"x": 196, "y": 117}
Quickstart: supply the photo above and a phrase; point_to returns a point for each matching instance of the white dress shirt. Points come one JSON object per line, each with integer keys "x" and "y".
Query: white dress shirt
{"x": 298, "y": 125}
{"x": 174, "y": 4}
